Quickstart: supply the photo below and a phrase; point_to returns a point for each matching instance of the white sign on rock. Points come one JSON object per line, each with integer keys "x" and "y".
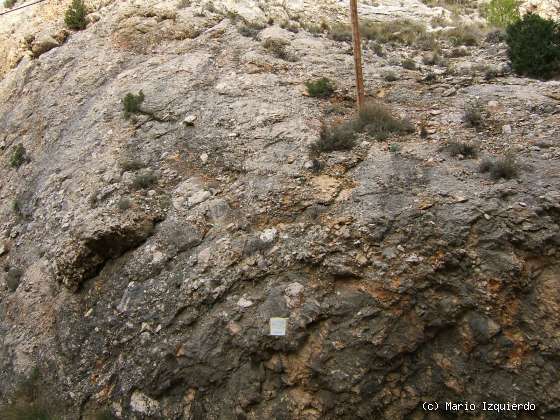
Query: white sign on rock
{"x": 278, "y": 326}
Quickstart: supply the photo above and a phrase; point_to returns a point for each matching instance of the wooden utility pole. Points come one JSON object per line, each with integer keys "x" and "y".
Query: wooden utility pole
{"x": 357, "y": 53}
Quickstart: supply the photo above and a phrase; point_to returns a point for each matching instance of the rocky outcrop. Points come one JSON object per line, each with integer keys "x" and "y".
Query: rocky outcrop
{"x": 143, "y": 259}
{"x": 87, "y": 250}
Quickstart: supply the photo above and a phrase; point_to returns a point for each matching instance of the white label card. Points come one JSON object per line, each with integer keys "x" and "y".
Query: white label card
{"x": 278, "y": 326}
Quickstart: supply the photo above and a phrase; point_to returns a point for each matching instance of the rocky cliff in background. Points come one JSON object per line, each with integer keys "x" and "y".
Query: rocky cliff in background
{"x": 142, "y": 258}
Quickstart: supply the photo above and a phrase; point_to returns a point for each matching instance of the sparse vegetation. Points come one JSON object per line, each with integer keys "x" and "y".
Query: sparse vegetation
{"x": 75, "y": 16}
{"x": 468, "y": 35}
{"x": 13, "y": 278}
{"x": 28, "y": 402}
{"x": 289, "y": 26}
{"x": 104, "y": 415}
{"x": 19, "y": 156}
{"x": 458, "y": 52}
{"x": 377, "y": 120}
{"x": 184, "y": 4}
{"x": 433, "y": 59}
{"x": 427, "y": 42}
{"x": 130, "y": 164}
{"x": 8, "y": 4}
{"x": 473, "y": 113}
{"x": 246, "y": 28}
{"x": 389, "y": 76}
{"x": 131, "y": 104}
{"x": 394, "y": 148}
{"x": 377, "y": 49}
{"x": 17, "y": 208}
{"x": 534, "y": 46}
{"x": 502, "y": 13}
{"x": 460, "y": 149}
{"x": 340, "y": 33}
{"x": 144, "y": 180}
{"x": 278, "y": 48}
{"x": 400, "y": 31}
{"x": 430, "y": 77}
{"x": 423, "y": 130}
{"x": 124, "y": 204}
{"x": 320, "y": 88}
{"x": 504, "y": 167}
{"x": 409, "y": 64}
{"x": 335, "y": 137}
{"x": 396, "y": 32}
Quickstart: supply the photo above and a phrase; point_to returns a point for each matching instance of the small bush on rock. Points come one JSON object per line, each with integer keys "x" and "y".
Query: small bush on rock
{"x": 465, "y": 150}
{"x": 75, "y": 17}
{"x": 502, "y": 13}
{"x": 8, "y": 4}
{"x": 335, "y": 137}
{"x": 19, "y": 156}
{"x": 278, "y": 48}
{"x": 534, "y": 46}
{"x": 144, "y": 180}
{"x": 468, "y": 35}
{"x": 320, "y": 88}
{"x": 13, "y": 278}
{"x": 131, "y": 104}
{"x": 473, "y": 114}
{"x": 377, "y": 120}
{"x": 505, "y": 167}
{"x": 409, "y": 64}
{"x": 390, "y": 76}
{"x": 340, "y": 33}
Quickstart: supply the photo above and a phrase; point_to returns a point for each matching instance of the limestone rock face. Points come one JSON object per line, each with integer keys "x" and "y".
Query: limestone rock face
{"x": 144, "y": 254}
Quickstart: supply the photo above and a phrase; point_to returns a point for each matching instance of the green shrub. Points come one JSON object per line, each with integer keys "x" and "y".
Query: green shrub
{"x": 502, "y": 13}
{"x": 75, "y": 17}
{"x": 534, "y": 46}
{"x": 320, "y": 88}
{"x": 335, "y": 137}
{"x": 19, "y": 156}
{"x": 377, "y": 120}
{"x": 466, "y": 150}
{"x": 394, "y": 148}
{"x": 131, "y": 104}
{"x": 8, "y": 4}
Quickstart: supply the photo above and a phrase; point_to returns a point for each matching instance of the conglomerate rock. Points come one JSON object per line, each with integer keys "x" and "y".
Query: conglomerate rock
{"x": 143, "y": 258}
